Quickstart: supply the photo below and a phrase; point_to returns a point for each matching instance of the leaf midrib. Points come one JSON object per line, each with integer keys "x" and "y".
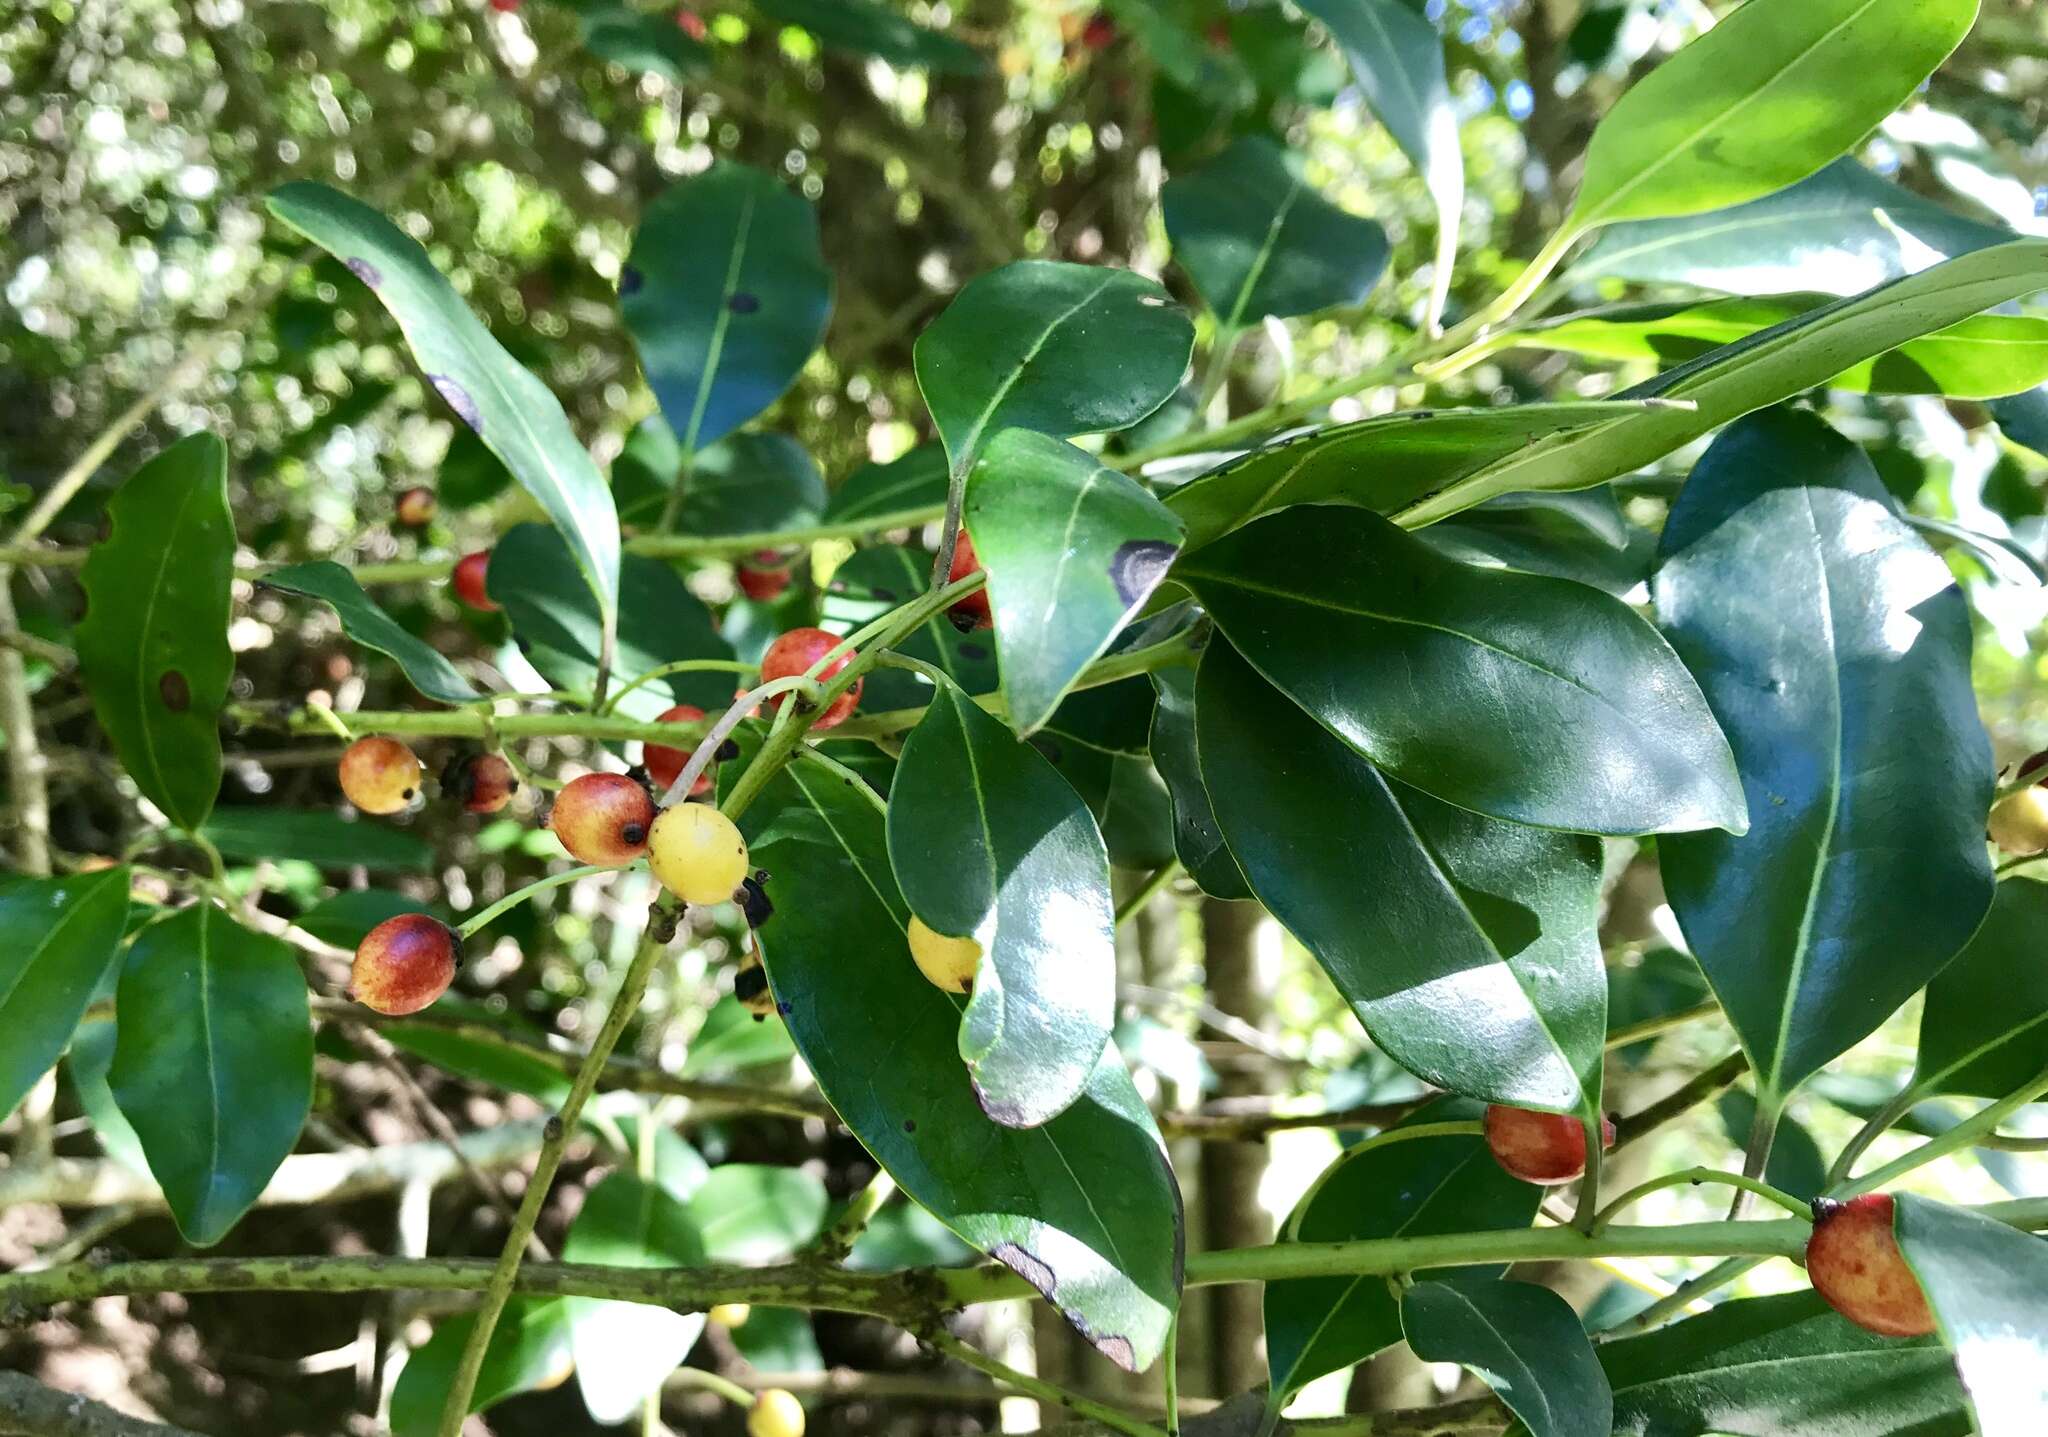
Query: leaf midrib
{"x": 973, "y": 437}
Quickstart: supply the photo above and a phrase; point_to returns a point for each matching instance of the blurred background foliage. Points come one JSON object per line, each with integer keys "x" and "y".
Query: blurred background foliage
{"x": 138, "y": 139}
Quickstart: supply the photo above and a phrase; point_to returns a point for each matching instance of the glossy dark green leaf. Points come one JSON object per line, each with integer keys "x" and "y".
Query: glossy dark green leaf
{"x": 625, "y": 1350}
{"x": 370, "y": 626}
{"x": 317, "y": 836}
{"x": 1099, "y": 742}
{"x": 347, "y": 917}
{"x": 1398, "y": 61}
{"x": 1072, "y": 550}
{"x": 1581, "y": 536}
{"x": 1084, "y": 1207}
{"x": 1767, "y": 368}
{"x": 1485, "y": 978}
{"x": 731, "y": 1041}
{"x": 1408, "y": 1188}
{"x": 1831, "y": 643}
{"x": 914, "y": 483}
{"x": 1197, "y": 840}
{"x": 58, "y": 939}
{"x": 153, "y": 645}
{"x": 1988, "y": 1286}
{"x": 1257, "y": 239}
{"x": 1660, "y": 983}
{"x": 868, "y": 28}
{"x": 779, "y": 1339}
{"x": 1515, "y": 695}
{"x": 988, "y": 843}
{"x": 1381, "y": 463}
{"x": 870, "y": 584}
{"x": 1784, "y": 1366}
{"x": 725, "y": 294}
{"x": 1523, "y": 1341}
{"x": 1984, "y": 1027}
{"x": 91, "y": 1055}
{"x": 1840, "y": 231}
{"x": 749, "y": 1213}
{"x": 509, "y": 408}
{"x": 213, "y": 1062}
{"x": 557, "y": 626}
{"x": 1795, "y": 1166}
{"x": 1059, "y": 348}
{"x": 1765, "y": 98}
{"x": 747, "y": 483}
{"x": 645, "y": 44}
{"x": 529, "y": 1348}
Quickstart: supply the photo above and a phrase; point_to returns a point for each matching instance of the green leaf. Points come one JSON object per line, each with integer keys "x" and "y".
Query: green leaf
{"x": 346, "y": 918}
{"x": 58, "y": 939}
{"x": 1381, "y": 463}
{"x": 726, "y": 294}
{"x": 1830, "y": 641}
{"x": 1084, "y": 1207}
{"x": 1770, "y": 366}
{"x": 1839, "y": 231}
{"x": 1072, "y": 550}
{"x": 988, "y": 843}
{"x": 1795, "y": 1165}
{"x": 870, "y": 584}
{"x": 867, "y": 28}
{"x": 1416, "y": 1187}
{"x": 750, "y": 1213}
{"x": 1784, "y": 1366}
{"x": 153, "y": 645}
{"x": 317, "y": 836}
{"x": 370, "y": 626}
{"x": 915, "y": 481}
{"x": 92, "y": 1053}
{"x": 528, "y": 1349}
{"x": 1988, "y": 1286}
{"x": 514, "y": 414}
{"x": 625, "y": 1350}
{"x": 1197, "y": 839}
{"x": 1523, "y": 1341}
{"x": 1211, "y": 76}
{"x": 1581, "y": 536}
{"x": 558, "y": 629}
{"x": 1765, "y": 98}
{"x": 1398, "y": 61}
{"x": 1984, "y": 1026}
{"x": 213, "y": 1062}
{"x": 643, "y": 44}
{"x": 500, "y": 1062}
{"x": 747, "y": 483}
{"x": 1984, "y": 357}
{"x": 731, "y": 1040}
{"x": 1257, "y": 240}
{"x": 1526, "y": 698}
{"x": 779, "y": 1339}
{"x": 1062, "y": 349}
{"x": 1485, "y": 978}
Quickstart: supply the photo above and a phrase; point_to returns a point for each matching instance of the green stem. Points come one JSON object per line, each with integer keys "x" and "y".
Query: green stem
{"x": 805, "y": 686}
{"x": 949, "y": 531}
{"x": 1879, "y": 1123}
{"x": 1147, "y": 891}
{"x": 1707, "y": 1083}
{"x": 1696, "y": 1176}
{"x": 1763, "y": 1132}
{"x": 724, "y": 1387}
{"x": 1589, "y": 1186}
{"x": 1663, "y": 1023}
{"x": 838, "y": 1240}
{"x": 476, "y": 921}
{"x": 931, "y": 673}
{"x": 1044, "y": 1391}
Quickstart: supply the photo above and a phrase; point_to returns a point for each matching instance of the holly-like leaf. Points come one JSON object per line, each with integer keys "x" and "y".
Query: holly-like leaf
{"x": 1062, "y": 349}
{"x": 153, "y": 645}
{"x": 1784, "y": 1366}
{"x": 557, "y": 627}
{"x": 1412, "y": 1187}
{"x": 370, "y": 626}
{"x": 1832, "y": 643}
{"x": 870, "y": 584}
{"x": 1984, "y": 1026}
{"x": 1765, "y": 98}
{"x": 514, "y": 414}
{"x": 529, "y": 1348}
{"x": 1084, "y": 1207}
{"x": 1072, "y": 550}
{"x": 1839, "y": 231}
{"x": 319, "y": 836}
{"x": 213, "y": 1062}
{"x": 988, "y": 843}
{"x": 625, "y": 1350}
{"x": 1523, "y": 1341}
{"x": 1257, "y": 240}
{"x": 913, "y": 485}
{"x": 867, "y": 28}
{"x": 749, "y": 1213}
{"x": 1485, "y": 978}
{"x": 726, "y": 294}
{"x": 1526, "y": 698}
{"x": 1581, "y": 536}
{"x": 1988, "y": 1286}
{"x": 58, "y": 939}
{"x": 1197, "y": 839}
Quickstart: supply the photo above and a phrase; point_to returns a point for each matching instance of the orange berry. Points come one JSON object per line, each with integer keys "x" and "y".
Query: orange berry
{"x": 972, "y": 612}
{"x": 470, "y": 571}
{"x": 664, "y": 765}
{"x": 1537, "y": 1147}
{"x": 417, "y": 507}
{"x": 603, "y": 818}
{"x": 380, "y": 775}
{"x": 1853, "y": 1260}
{"x": 794, "y": 653}
{"x": 481, "y": 783}
{"x": 404, "y": 964}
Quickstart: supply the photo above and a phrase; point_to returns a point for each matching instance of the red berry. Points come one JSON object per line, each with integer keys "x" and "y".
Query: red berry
{"x": 762, "y": 585}
{"x": 417, "y": 507}
{"x": 603, "y": 818}
{"x": 794, "y": 653}
{"x": 1540, "y": 1147}
{"x": 691, "y": 23}
{"x": 1099, "y": 32}
{"x": 1854, "y": 1261}
{"x": 380, "y": 775}
{"x": 505, "y": 7}
{"x": 404, "y": 963}
{"x": 481, "y": 783}
{"x": 664, "y": 765}
{"x": 470, "y": 571}
{"x": 972, "y": 612}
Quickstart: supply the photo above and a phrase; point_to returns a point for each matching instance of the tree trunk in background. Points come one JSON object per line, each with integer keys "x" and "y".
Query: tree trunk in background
{"x": 1230, "y": 1172}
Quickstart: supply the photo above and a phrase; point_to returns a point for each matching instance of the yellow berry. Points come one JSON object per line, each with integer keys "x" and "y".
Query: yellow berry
{"x": 2019, "y": 824}
{"x": 949, "y": 963}
{"x": 776, "y": 1413}
{"x": 380, "y": 775}
{"x": 730, "y": 1314}
{"x": 697, "y": 853}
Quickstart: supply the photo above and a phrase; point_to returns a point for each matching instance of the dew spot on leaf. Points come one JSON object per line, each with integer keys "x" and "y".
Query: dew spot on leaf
{"x": 175, "y": 691}
{"x": 458, "y": 400}
{"x": 363, "y": 270}
{"x": 1137, "y": 567}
